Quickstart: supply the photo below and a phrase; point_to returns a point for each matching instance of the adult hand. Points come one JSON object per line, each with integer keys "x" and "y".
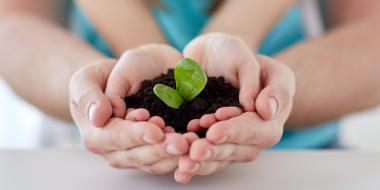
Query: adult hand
{"x": 136, "y": 141}
{"x": 236, "y": 135}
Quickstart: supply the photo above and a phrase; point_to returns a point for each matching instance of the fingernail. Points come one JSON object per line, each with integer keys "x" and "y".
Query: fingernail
{"x": 171, "y": 149}
{"x": 91, "y": 112}
{"x": 195, "y": 168}
{"x": 207, "y": 155}
{"x": 149, "y": 139}
{"x": 273, "y": 106}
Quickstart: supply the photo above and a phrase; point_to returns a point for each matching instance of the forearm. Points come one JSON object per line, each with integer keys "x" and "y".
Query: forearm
{"x": 250, "y": 20}
{"x": 336, "y": 74}
{"x": 37, "y": 60}
{"x": 123, "y": 24}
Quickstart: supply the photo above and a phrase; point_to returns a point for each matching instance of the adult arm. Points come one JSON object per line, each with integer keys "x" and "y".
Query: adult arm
{"x": 337, "y": 73}
{"x": 38, "y": 57}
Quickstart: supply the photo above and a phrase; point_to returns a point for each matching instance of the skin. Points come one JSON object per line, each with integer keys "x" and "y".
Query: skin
{"x": 236, "y": 135}
{"x": 116, "y": 22}
{"x": 269, "y": 83}
{"x": 74, "y": 54}
{"x": 118, "y": 86}
{"x": 262, "y": 16}
{"x": 137, "y": 140}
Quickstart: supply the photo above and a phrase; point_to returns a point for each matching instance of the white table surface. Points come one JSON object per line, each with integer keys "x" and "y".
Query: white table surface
{"x": 63, "y": 169}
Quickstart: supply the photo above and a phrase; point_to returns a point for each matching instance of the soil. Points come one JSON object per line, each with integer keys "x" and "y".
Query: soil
{"x": 217, "y": 93}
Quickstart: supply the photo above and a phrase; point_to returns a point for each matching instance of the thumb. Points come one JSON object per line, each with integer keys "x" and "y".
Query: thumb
{"x": 98, "y": 109}
{"x": 87, "y": 100}
{"x": 277, "y": 95}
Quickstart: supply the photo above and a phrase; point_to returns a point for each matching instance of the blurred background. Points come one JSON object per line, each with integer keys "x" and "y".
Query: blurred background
{"x": 24, "y": 127}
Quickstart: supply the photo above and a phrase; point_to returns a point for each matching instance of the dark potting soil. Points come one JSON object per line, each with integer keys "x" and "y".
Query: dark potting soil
{"x": 216, "y": 94}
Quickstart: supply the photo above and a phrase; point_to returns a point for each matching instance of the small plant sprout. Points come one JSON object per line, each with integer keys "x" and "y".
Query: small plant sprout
{"x": 190, "y": 80}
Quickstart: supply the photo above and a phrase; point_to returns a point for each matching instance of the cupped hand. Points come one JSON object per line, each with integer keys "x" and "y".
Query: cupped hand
{"x": 135, "y": 66}
{"x": 236, "y": 135}
{"x": 134, "y": 140}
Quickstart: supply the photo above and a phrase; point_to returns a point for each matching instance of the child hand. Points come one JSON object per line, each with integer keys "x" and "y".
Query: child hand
{"x": 135, "y": 66}
{"x": 224, "y": 55}
{"x": 228, "y": 56}
{"x": 234, "y": 136}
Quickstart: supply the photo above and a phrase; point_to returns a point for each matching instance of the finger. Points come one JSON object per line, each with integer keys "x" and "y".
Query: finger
{"x": 193, "y": 126}
{"x": 192, "y": 168}
{"x": 248, "y": 128}
{"x": 161, "y": 167}
{"x": 174, "y": 145}
{"x": 228, "y": 152}
{"x": 207, "y": 120}
{"x": 188, "y": 166}
{"x": 277, "y": 94}
{"x": 87, "y": 100}
{"x": 158, "y": 121}
{"x": 140, "y": 114}
{"x": 169, "y": 129}
{"x": 191, "y": 137}
{"x": 118, "y": 87}
{"x": 130, "y": 109}
{"x": 210, "y": 167}
{"x": 200, "y": 150}
{"x": 181, "y": 177}
{"x": 121, "y": 134}
{"x": 225, "y": 113}
{"x": 117, "y": 102}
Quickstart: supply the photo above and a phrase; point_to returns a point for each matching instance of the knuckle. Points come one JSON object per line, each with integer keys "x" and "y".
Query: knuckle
{"x": 129, "y": 137}
{"x": 251, "y": 134}
{"x": 159, "y": 154}
{"x": 207, "y": 170}
{"x": 114, "y": 139}
{"x": 127, "y": 54}
{"x": 228, "y": 151}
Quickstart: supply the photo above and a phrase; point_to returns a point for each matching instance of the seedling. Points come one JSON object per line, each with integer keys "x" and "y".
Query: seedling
{"x": 190, "y": 80}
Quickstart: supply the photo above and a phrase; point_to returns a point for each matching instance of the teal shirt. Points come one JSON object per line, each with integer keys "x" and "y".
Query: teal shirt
{"x": 181, "y": 21}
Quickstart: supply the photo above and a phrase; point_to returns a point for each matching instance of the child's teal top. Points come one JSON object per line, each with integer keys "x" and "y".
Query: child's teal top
{"x": 181, "y": 21}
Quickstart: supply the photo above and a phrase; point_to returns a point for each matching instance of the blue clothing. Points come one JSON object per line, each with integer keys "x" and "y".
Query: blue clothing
{"x": 181, "y": 21}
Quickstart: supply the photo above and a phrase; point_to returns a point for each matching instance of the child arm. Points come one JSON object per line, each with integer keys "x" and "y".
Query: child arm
{"x": 123, "y": 24}
{"x": 249, "y": 20}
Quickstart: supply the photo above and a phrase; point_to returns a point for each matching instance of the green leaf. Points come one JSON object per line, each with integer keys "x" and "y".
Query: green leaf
{"x": 190, "y": 78}
{"x": 168, "y": 95}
